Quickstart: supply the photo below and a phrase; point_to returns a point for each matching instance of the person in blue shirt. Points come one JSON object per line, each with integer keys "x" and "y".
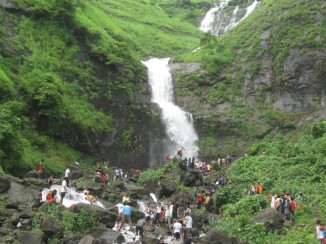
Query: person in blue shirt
{"x": 126, "y": 215}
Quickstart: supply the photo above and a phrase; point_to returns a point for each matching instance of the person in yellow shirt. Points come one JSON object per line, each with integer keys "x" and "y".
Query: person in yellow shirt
{"x": 209, "y": 168}
{"x": 207, "y": 202}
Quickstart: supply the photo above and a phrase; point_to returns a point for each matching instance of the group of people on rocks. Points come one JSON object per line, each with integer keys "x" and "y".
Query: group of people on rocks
{"x": 255, "y": 188}
{"x": 177, "y": 218}
{"x": 285, "y": 204}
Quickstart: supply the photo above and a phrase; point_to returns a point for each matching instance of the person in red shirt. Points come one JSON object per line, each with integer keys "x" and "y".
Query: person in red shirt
{"x": 200, "y": 199}
{"x": 292, "y": 208}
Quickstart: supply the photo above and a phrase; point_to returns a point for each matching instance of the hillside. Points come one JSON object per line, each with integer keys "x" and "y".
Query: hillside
{"x": 72, "y": 83}
{"x": 263, "y": 78}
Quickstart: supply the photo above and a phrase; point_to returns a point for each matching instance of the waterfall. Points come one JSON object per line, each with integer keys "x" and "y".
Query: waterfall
{"x": 178, "y": 124}
{"x": 233, "y": 19}
{"x": 249, "y": 10}
{"x": 72, "y": 197}
{"x": 217, "y": 20}
{"x": 212, "y": 20}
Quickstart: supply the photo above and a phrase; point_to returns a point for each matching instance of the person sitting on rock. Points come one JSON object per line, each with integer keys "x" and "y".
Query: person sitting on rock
{"x": 51, "y": 196}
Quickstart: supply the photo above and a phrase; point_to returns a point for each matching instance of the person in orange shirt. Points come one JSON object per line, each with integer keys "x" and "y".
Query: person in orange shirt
{"x": 259, "y": 188}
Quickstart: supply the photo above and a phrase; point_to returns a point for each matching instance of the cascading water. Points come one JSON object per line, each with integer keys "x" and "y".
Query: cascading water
{"x": 249, "y": 10}
{"x": 179, "y": 127}
{"x": 218, "y": 20}
{"x": 233, "y": 19}
{"x": 212, "y": 20}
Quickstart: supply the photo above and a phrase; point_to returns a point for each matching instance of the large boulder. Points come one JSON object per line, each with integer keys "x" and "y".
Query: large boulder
{"x": 4, "y": 183}
{"x": 215, "y": 237}
{"x": 192, "y": 178}
{"x": 32, "y": 173}
{"x": 166, "y": 188}
{"x": 50, "y": 227}
{"x": 28, "y": 237}
{"x": 107, "y": 235}
{"x": 271, "y": 218}
{"x": 181, "y": 197}
{"x": 106, "y": 216}
{"x": 88, "y": 239}
{"x": 19, "y": 196}
{"x": 150, "y": 186}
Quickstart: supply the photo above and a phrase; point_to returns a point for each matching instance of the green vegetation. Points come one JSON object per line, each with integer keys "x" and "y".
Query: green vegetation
{"x": 295, "y": 168}
{"x": 152, "y": 174}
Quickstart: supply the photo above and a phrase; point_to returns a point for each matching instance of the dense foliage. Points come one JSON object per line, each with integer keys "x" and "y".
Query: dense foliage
{"x": 294, "y": 168}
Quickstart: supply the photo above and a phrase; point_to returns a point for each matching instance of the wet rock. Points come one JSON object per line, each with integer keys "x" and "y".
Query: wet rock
{"x": 215, "y": 237}
{"x": 32, "y": 174}
{"x": 27, "y": 213}
{"x": 271, "y": 218}
{"x": 92, "y": 185}
{"x": 106, "y": 216}
{"x": 107, "y": 235}
{"x": 50, "y": 227}
{"x": 27, "y": 237}
{"x": 192, "y": 178}
{"x": 89, "y": 240}
{"x": 149, "y": 240}
{"x": 34, "y": 182}
{"x": 75, "y": 174}
{"x": 4, "y": 183}
{"x": 150, "y": 186}
{"x": 182, "y": 198}
{"x": 18, "y": 195}
{"x": 166, "y": 188}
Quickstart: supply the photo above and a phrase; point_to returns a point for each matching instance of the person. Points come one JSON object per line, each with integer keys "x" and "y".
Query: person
{"x": 141, "y": 226}
{"x": 157, "y": 213}
{"x": 188, "y": 219}
{"x": 67, "y": 173}
{"x": 193, "y": 195}
{"x": 119, "y": 218}
{"x": 39, "y": 198}
{"x": 209, "y": 168}
{"x": 64, "y": 189}
{"x": 207, "y": 202}
{"x": 273, "y": 199}
{"x": 319, "y": 232}
{"x": 177, "y": 227}
{"x": 253, "y": 189}
{"x": 300, "y": 201}
{"x": 40, "y": 167}
{"x": 167, "y": 215}
{"x": 292, "y": 209}
{"x": 200, "y": 199}
{"x": 51, "y": 196}
{"x": 286, "y": 207}
{"x": 167, "y": 157}
{"x": 50, "y": 180}
{"x": 260, "y": 188}
{"x": 180, "y": 151}
{"x": 126, "y": 215}
{"x": 126, "y": 198}
{"x": 161, "y": 240}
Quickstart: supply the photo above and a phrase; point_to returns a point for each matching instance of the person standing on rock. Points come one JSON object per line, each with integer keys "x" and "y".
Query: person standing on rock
{"x": 200, "y": 199}
{"x": 180, "y": 151}
{"x": 40, "y": 167}
{"x": 67, "y": 173}
{"x": 141, "y": 226}
{"x": 64, "y": 189}
{"x": 177, "y": 227}
{"x": 126, "y": 215}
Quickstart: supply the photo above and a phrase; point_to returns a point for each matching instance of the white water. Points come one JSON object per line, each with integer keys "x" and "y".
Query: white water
{"x": 249, "y": 10}
{"x": 212, "y": 20}
{"x": 72, "y": 197}
{"x": 215, "y": 16}
{"x": 179, "y": 127}
{"x": 232, "y": 20}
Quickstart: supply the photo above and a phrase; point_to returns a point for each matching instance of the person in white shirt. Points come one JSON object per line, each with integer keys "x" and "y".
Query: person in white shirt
{"x": 319, "y": 232}
{"x": 64, "y": 189}
{"x": 119, "y": 218}
{"x": 177, "y": 226}
{"x": 67, "y": 172}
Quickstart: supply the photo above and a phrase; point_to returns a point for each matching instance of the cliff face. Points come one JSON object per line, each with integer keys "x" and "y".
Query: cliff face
{"x": 263, "y": 78}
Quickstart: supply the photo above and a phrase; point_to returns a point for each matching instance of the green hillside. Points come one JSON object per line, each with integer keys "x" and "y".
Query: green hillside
{"x": 60, "y": 59}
